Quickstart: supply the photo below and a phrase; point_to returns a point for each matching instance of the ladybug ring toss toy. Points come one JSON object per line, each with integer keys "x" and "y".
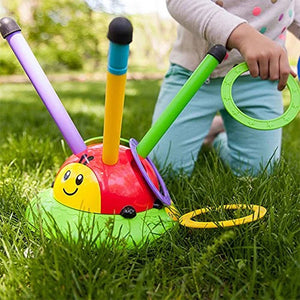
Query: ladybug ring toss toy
{"x": 110, "y": 180}
{"x": 103, "y": 181}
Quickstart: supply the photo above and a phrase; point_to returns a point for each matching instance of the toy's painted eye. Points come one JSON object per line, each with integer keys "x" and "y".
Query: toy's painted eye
{"x": 79, "y": 179}
{"x": 67, "y": 175}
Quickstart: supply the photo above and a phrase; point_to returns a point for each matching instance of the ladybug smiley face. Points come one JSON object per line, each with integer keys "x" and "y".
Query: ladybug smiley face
{"x": 76, "y": 186}
{"x": 78, "y": 181}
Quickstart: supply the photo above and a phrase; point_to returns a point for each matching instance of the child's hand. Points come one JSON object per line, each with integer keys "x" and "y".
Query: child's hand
{"x": 264, "y": 57}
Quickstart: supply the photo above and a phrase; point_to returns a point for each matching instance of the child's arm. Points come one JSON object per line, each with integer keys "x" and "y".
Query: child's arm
{"x": 207, "y": 20}
{"x": 204, "y": 19}
{"x": 264, "y": 57}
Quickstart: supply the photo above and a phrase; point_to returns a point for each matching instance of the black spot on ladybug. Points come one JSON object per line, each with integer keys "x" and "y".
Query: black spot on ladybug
{"x": 67, "y": 175}
{"x": 79, "y": 179}
{"x": 128, "y": 212}
{"x": 85, "y": 160}
{"x": 158, "y": 204}
{"x": 82, "y": 158}
{"x": 89, "y": 159}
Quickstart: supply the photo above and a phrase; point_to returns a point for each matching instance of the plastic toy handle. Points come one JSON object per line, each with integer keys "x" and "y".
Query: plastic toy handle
{"x": 12, "y": 33}
{"x": 185, "y": 94}
{"x": 120, "y": 36}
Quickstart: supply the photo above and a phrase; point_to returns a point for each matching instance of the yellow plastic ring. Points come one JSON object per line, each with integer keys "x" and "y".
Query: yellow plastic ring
{"x": 258, "y": 213}
{"x": 172, "y": 212}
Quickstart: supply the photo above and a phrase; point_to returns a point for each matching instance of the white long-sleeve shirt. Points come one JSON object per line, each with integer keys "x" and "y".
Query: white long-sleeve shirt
{"x": 203, "y": 23}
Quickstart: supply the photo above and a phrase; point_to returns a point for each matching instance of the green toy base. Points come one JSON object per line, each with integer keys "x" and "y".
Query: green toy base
{"x": 146, "y": 226}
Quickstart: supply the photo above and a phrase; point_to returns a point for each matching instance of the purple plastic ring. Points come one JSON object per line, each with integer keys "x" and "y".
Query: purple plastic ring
{"x": 163, "y": 196}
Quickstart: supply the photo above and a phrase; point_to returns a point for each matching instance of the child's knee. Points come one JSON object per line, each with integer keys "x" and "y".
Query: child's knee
{"x": 254, "y": 165}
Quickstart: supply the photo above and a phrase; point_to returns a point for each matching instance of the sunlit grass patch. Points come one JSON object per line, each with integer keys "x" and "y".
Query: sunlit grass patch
{"x": 258, "y": 260}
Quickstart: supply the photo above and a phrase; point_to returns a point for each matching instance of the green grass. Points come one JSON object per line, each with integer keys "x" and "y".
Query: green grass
{"x": 260, "y": 260}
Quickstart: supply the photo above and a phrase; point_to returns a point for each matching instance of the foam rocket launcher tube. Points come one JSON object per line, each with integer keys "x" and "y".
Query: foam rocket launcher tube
{"x": 12, "y": 33}
{"x": 214, "y": 57}
{"x": 120, "y": 36}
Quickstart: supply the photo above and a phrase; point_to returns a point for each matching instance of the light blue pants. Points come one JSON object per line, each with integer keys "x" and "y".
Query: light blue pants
{"x": 244, "y": 149}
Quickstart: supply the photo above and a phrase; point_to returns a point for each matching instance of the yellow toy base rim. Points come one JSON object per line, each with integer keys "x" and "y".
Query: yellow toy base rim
{"x": 258, "y": 213}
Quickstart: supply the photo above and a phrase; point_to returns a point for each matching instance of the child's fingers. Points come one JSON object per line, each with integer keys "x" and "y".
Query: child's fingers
{"x": 274, "y": 69}
{"x": 264, "y": 68}
{"x": 284, "y": 71}
{"x": 294, "y": 74}
{"x": 253, "y": 67}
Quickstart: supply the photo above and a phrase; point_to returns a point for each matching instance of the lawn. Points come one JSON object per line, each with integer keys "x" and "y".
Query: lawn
{"x": 259, "y": 260}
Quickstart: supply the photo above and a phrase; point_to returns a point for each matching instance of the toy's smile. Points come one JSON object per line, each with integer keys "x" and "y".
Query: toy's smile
{"x": 70, "y": 194}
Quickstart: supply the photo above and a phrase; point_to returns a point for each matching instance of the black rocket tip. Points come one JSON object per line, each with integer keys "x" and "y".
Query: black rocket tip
{"x": 218, "y": 52}
{"x": 120, "y": 31}
{"x": 8, "y": 26}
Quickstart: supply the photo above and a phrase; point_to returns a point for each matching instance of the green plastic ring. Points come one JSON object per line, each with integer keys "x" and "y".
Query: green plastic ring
{"x": 234, "y": 111}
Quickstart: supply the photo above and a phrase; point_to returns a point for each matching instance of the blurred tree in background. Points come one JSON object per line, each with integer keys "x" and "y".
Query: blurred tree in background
{"x": 64, "y": 34}
{"x": 68, "y": 35}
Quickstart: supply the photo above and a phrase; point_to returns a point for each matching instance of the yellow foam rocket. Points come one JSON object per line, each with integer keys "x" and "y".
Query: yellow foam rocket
{"x": 120, "y": 36}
